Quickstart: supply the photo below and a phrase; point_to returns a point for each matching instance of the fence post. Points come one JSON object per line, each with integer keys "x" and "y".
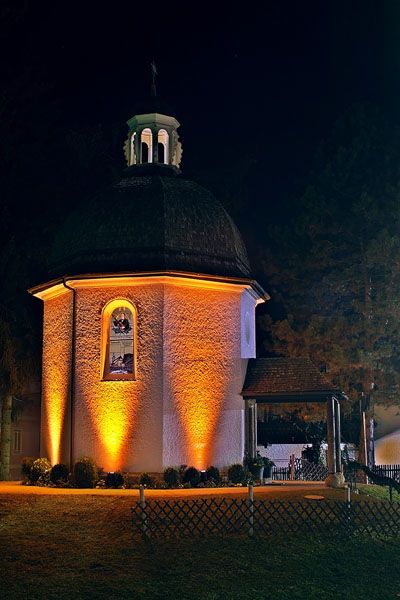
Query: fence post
{"x": 347, "y": 495}
{"x": 347, "y": 499}
{"x": 142, "y": 502}
{"x": 250, "y": 494}
{"x": 291, "y": 471}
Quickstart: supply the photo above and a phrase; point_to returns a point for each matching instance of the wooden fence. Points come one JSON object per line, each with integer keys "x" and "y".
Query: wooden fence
{"x": 246, "y": 516}
{"x": 392, "y": 471}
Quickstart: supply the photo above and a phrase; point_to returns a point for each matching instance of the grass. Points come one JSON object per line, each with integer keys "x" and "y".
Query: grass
{"x": 378, "y": 492}
{"x": 82, "y": 546}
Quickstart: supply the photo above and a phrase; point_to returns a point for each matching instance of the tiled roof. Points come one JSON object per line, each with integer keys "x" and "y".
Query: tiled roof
{"x": 157, "y": 221}
{"x": 284, "y": 377}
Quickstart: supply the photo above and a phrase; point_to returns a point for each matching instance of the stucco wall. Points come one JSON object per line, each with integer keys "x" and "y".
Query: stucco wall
{"x": 203, "y": 376}
{"x": 184, "y": 406}
{"x": 118, "y": 422}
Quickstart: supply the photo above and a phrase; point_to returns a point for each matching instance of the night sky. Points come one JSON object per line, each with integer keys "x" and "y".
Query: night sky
{"x": 259, "y": 85}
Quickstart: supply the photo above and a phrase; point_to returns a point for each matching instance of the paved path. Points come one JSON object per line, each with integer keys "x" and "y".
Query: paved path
{"x": 16, "y": 488}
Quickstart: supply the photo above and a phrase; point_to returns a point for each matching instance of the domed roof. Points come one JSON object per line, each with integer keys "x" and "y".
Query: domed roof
{"x": 151, "y": 220}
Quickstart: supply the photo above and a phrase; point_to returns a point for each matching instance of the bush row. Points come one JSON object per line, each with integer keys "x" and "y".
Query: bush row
{"x": 86, "y": 474}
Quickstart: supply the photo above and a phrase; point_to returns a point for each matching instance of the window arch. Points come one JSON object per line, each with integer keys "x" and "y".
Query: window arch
{"x": 146, "y": 139}
{"x": 162, "y": 140}
{"x": 118, "y": 348}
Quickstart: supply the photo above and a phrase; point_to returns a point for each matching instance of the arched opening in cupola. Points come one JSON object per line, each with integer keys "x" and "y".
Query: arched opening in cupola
{"x": 162, "y": 140}
{"x": 146, "y": 146}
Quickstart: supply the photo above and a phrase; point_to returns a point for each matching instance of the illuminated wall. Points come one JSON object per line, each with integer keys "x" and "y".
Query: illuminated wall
{"x": 57, "y": 327}
{"x": 118, "y": 422}
{"x": 387, "y": 449}
{"x": 203, "y": 376}
{"x": 184, "y": 407}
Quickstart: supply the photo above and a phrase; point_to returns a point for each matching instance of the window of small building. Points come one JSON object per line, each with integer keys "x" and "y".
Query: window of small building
{"x": 146, "y": 146}
{"x": 119, "y": 335}
{"x": 17, "y": 440}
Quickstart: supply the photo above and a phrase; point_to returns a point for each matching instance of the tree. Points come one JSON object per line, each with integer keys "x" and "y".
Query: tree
{"x": 19, "y": 343}
{"x": 337, "y": 262}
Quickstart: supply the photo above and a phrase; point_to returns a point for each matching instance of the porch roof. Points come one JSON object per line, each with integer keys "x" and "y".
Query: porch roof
{"x": 287, "y": 380}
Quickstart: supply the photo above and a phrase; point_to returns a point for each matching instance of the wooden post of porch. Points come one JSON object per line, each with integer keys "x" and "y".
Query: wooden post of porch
{"x": 251, "y": 428}
{"x": 335, "y": 477}
{"x": 331, "y": 435}
{"x": 338, "y": 436}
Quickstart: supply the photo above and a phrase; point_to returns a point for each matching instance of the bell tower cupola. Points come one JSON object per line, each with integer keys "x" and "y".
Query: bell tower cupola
{"x": 153, "y": 136}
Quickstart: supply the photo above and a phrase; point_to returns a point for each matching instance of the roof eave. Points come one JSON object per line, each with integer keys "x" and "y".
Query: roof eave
{"x": 299, "y": 396}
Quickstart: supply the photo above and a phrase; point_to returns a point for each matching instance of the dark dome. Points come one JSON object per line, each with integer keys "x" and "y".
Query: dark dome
{"x": 152, "y": 220}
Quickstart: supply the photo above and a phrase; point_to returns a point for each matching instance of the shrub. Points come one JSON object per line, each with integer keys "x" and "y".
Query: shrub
{"x": 26, "y": 466}
{"x": 181, "y": 471}
{"x": 213, "y": 474}
{"x": 85, "y": 473}
{"x": 146, "y": 479}
{"x": 191, "y": 476}
{"x": 40, "y": 471}
{"x": 59, "y": 473}
{"x": 114, "y": 479}
{"x": 236, "y": 473}
{"x": 171, "y": 477}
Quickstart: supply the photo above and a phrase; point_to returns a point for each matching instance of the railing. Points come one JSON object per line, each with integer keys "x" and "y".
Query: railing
{"x": 392, "y": 471}
{"x": 300, "y": 470}
{"x": 281, "y": 473}
{"x": 246, "y": 516}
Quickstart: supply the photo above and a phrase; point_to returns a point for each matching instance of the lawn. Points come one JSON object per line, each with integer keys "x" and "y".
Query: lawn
{"x": 81, "y": 546}
{"x": 379, "y": 492}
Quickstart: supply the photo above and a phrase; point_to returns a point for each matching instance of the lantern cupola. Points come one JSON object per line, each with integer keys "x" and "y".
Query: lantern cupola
{"x": 153, "y": 138}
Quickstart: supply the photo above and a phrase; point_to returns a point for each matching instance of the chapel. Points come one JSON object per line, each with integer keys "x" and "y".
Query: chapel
{"x": 149, "y": 319}
{"x": 149, "y": 353}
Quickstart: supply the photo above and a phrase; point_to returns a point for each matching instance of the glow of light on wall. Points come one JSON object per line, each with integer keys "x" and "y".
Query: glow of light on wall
{"x": 199, "y": 375}
{"x": 55, "y": 391}
{"x": 199, "y": 406}
{"x": 56, "y": 406}
{"x": 199, "y": 409}
{"x": 112, "y": 404}
{"x": 55, "y": 375}
{"x": 387, "y": 449}
{"x": 113, "y": 413}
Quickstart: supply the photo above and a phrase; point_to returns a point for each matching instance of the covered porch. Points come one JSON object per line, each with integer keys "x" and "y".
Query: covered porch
{"x": 293, "y": 380}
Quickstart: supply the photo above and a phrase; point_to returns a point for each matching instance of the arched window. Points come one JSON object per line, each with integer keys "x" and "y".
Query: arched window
{"x": 118, "y": 340}
{"x": 162, "y": 140}
{"x": 146, "y": 146}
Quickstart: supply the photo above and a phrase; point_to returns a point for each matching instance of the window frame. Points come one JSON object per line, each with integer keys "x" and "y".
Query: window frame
{"x": 108, "y": 309}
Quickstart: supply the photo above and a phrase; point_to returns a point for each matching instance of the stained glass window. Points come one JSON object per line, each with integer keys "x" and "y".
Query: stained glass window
{"x": 120, "y": 351}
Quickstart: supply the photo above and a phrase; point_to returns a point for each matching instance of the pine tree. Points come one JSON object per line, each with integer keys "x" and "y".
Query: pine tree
{"x": 337, "y": 265}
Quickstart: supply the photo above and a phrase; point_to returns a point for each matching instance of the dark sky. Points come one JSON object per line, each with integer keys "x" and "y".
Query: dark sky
{"x": 273, "y": 77}
{"x": 264, "y": 80}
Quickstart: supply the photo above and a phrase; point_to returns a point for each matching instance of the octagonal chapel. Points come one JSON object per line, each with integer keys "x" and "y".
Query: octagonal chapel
{"x": 149, "y": 320}
{"x": 149, "y": 325}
